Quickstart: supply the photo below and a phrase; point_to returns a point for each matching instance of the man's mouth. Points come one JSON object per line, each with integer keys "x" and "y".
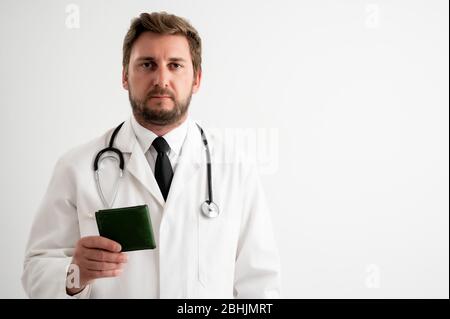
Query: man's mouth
{"x": 160, "y": 97}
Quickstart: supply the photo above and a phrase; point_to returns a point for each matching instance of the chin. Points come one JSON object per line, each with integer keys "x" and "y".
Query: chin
{"x": 161, "y": 104}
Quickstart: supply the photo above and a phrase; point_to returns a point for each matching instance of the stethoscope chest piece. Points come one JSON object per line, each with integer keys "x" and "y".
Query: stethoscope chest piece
{"x": 210, "y": 209}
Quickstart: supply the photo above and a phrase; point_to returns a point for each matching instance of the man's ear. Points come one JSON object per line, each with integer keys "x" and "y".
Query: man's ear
{"x": 197, "y": 81}
{"x": 125, "y": 78}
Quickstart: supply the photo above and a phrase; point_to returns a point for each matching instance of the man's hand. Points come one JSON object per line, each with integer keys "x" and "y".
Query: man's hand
{"x": 97, "y": 257}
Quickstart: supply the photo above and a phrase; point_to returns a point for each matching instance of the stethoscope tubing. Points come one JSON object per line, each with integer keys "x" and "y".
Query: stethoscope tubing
{"x": 209, "y": 208}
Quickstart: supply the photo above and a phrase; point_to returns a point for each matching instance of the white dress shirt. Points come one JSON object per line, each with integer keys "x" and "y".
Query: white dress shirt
{"x": 175, "y": 138}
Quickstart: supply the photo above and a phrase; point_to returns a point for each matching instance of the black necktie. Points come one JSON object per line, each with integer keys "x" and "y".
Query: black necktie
{"x": 163, "y": 168}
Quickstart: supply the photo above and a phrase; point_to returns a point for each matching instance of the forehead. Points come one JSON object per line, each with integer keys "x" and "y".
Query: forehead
{"x": 160, "y": 46}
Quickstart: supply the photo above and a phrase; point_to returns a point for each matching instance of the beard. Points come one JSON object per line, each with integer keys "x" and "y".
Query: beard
{"x": 158, "y": 115}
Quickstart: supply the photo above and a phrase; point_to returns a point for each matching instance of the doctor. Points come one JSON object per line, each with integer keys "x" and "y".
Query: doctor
{"x": 232, "y": 255}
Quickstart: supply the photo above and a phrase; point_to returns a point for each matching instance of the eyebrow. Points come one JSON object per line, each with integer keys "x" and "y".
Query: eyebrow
{"x": 150, "y": 58}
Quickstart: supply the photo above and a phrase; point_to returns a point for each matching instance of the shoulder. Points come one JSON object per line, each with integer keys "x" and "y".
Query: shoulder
{"x": 232, "y": 149}
{"x": 82, "y": 155}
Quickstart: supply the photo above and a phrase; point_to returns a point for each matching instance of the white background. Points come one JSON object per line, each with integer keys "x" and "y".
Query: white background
{"x": 356, "y": 91}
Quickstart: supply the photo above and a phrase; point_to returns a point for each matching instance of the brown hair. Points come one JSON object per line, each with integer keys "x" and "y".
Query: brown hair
{"x": 163, "y": 23}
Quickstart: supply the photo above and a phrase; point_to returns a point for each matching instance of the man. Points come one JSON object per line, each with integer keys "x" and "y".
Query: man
{"x": 231, "y": 255}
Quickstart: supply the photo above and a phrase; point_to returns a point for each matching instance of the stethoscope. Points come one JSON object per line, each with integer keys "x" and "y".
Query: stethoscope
{"x": 208, "y": 207}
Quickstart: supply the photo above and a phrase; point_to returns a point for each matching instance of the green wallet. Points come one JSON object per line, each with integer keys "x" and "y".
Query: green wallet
{"x": 131, "y": 227}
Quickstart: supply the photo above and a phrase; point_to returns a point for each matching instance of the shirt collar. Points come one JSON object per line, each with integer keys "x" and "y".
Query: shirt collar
{"x": 175, "y": 138}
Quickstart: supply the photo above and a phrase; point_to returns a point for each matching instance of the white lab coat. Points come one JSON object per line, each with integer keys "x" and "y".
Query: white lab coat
{"x": 231, "y": 256}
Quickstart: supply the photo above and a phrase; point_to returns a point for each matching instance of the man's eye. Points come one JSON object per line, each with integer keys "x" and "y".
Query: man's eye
{"x": 148, "y": 65}
{"x": 176, "y": 65}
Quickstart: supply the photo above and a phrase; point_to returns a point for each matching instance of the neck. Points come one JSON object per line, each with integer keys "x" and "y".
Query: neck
{"x": 161, "y": 130}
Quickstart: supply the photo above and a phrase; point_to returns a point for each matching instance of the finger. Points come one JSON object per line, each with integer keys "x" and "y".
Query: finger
{"x": 99, "y": 266}
{"x": 105, "y": 273}
{"x": 105, "y": 256}
{"x": 100, "y": 242}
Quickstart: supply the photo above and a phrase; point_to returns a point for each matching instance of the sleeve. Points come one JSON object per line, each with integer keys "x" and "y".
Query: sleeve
{"x": 257, "y": 268}
{"x": 54, "y": 233}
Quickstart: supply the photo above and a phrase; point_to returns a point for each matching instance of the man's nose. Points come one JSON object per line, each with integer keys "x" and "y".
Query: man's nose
{"x": 161, "y": 77}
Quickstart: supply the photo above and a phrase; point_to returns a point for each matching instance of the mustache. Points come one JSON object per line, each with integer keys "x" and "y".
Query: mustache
{"x": 158, "y": 91}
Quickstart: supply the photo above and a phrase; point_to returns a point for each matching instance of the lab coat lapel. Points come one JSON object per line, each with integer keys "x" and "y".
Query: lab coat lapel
{"x": 138, "y": 165}
{"x": 189, "y": 162}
